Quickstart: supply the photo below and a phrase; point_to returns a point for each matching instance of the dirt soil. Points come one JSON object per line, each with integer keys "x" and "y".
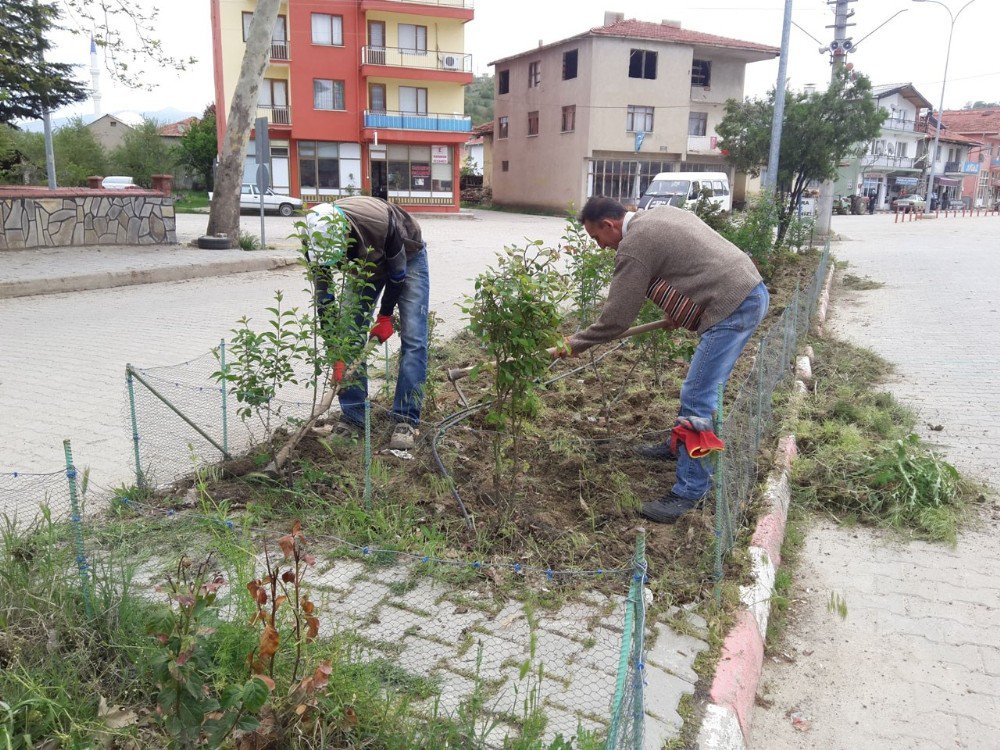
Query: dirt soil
{"x": 570, "y": 500}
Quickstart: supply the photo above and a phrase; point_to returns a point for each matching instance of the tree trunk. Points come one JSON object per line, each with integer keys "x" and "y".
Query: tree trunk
{"x": 225, "y": 213}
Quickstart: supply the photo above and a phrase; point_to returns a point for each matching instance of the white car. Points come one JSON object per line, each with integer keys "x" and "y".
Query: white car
{"x": 250, "y": 200}
{"x": 118, "y": 182}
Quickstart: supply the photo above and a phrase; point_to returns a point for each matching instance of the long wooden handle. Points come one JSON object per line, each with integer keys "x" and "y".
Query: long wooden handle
{"x": 281, "y": 457}
{"x": 458, "y": 373}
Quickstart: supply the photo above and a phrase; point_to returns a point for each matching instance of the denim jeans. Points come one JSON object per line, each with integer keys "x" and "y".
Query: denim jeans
{"x": 413, "y": 309}
{"x": 712, "y": 364}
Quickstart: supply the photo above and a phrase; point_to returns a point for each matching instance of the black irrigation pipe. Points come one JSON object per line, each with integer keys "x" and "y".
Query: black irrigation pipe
{"x": 462, "y": 414}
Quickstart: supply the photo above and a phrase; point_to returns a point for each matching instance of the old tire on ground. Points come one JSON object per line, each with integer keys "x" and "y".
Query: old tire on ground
{"x": 286, "y": 209}
{"x": 214, "y": 242}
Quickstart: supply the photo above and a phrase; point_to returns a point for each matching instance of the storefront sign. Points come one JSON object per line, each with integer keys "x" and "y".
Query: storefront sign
{"x": 907, "y": 180}
{"x": 377, "y": 153}
{"x": 439, "y": 155}
{"x": 971, "y": 167}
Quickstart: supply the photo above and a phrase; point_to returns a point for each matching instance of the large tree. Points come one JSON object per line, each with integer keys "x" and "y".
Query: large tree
{"x": 28, "y": 83}
{"x": 78, "y": 154}
{"x": 820, "y": 130}
{"x": 225, "y": 213}
{"x": 199, "y": 145}
{"x": 143, "y": 153}
{"x": 479, "y": 99}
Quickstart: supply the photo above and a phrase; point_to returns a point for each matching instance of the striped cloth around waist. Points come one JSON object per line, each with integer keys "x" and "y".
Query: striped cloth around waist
{"x": 681, "y": 309}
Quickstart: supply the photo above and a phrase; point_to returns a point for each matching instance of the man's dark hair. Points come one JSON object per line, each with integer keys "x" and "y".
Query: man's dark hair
{"x": 600, "y": 208}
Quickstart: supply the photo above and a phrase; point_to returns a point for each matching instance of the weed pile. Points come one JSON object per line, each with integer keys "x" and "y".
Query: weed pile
{"x": 859, "y": 458}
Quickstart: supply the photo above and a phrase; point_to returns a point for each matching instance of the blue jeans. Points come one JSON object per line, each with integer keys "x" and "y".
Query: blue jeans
{"x": 712, "y": 364}
{"x": 414, "y": 302}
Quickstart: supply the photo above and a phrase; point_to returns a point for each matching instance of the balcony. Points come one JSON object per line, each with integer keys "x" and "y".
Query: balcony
{"x": 398, "y": 57}
{"x": 899, "y": 123}
{"x": 460, "y": 10}
{"x": 888, "y": 161}
{"x": 412, "y": 121}
{"x": 952, "y": 166}
{"x": 703, "y": 144}
{"x": 278, "y": 116}
{"x": 279, "y": 50}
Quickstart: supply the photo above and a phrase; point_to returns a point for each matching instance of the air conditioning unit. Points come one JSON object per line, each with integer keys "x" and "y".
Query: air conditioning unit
{"x": 450, "y": 62}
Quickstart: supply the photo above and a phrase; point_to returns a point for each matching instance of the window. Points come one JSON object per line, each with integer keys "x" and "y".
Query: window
{"x": 901, "y": 149}
{"x": 569, "y": 118}
{"x": 412, "y": 100}
{"x": 505, "y": 166}
{"x": 569, "y": 64}
{"x": 412, "y": 39}
{"x": 279, "y": 33}
{"x": 328, "y": 94}
{"x": 617, "y": 179}
{"x": 376, "y": 97}
{"x": 319, "y": 165}
{"x": 533, "y": 123}
{"x": 701, "y": 73}
{"x": 534, "y": 74}
{"x": 503, "y": 125}
{"x": 697, "y": 123}
{"x": 327, "y": 29}
{"x": 639, "y": 119}
{"x": 642, "y": 64}
{"x": 503, "y": 81}
{"x": 411, "y": 171}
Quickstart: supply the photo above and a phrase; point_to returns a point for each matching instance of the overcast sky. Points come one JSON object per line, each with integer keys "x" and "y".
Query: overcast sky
{"x": 910, "y": 48}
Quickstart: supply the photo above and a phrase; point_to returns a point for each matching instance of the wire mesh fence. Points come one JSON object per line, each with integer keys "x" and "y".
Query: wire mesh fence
{"x": 749, "y": 418}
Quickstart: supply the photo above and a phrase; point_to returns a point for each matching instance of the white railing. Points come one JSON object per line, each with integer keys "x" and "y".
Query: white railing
{"x": 703, "y": 144}
{"x": 280, "y": 49}
{"x": 400, "y": 57}
{"x": 276, "y": 115}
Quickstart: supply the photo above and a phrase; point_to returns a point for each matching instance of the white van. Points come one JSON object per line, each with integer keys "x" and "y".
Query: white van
{"x": 684, "y": 188}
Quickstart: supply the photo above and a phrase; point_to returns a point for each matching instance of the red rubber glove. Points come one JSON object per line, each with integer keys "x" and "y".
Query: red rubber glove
{"x": 338, "y": 371}
{"x": 382, "y": 330}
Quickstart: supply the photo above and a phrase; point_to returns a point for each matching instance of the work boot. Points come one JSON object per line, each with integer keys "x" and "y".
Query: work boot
{"x": 404, "y": 437}
{"x": 347, "y": 430}
{"x": 656, "y": 452}
{"x": 669, "y": 508}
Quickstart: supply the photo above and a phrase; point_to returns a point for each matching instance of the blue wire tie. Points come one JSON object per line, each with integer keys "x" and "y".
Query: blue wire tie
{"x": 425, "y": 558}
{"x": 231, "y": 525}
{"x": 477, "y": 565}
{"x": 71, "y": 473}
{"x": 600, "y": 571}
{"x": 15, "y": 475}
{"x": 364, "y": 550}
{"x": 549, "y": 574}
{"x": 170, "y": 513}
{"x": 517, "y": 567}
{"x": 637, "y": 577}
{"x": 639, "y": 666}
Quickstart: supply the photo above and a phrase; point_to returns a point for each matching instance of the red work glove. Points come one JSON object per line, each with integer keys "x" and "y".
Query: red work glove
{"x": 562, "y": 351}
{"x": 338, "y": 372}
{"x": 382, "y": 330}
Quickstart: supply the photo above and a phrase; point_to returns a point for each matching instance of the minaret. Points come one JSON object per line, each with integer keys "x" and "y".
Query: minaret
{"x": 95, "y": 76}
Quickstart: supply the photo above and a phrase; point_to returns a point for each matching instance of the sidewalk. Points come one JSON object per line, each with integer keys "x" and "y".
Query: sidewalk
{"x": 916, "y": 661}
{"x": 24, "y": 273}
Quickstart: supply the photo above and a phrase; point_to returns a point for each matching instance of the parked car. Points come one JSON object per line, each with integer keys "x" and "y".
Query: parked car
{"x": 118, "y": 182}
{"x": 909, "y": 203}
{"x": 685, "y": 188}
{"x": 250, "y": 200}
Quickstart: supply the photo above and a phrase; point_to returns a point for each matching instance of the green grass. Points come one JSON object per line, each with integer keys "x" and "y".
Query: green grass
{"x": 859, "y": 459}
{"x": 189, "y": 200}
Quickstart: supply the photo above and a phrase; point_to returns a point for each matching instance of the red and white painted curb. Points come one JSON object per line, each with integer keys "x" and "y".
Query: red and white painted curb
{"x": 726, "y": 725}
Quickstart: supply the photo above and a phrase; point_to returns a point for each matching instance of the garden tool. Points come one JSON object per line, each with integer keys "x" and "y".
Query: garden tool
{"x": 697, "y": 435}
{"x": 457, "y": 373}
{"x": 281, "y": 457}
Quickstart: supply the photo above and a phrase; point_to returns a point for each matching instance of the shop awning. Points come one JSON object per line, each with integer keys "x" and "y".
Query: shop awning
{"x": 947, "y": 181}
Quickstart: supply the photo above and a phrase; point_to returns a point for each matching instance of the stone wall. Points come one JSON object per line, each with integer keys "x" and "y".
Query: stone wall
{"x": 31, "y": 217}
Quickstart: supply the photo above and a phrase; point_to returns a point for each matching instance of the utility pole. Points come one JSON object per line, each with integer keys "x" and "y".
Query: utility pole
{"x": 771, "y": 181}
{"x": 839, "y": 48}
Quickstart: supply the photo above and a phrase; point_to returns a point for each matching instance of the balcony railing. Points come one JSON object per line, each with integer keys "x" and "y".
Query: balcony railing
{"x": 703, "y": 143}
{"x": 412, "y": 121}
{"x": 399, "y": 57}
{"x": 888, "y": 160}
{"x": 279, "y": 49}
{"x": 276, "y": 115}
{"x": 899, "y": 123}
{"x": 442, "y": 3}
{"x": 953, "y": 166}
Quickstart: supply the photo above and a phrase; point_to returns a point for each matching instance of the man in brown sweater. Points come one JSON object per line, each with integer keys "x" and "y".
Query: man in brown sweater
{"x": 702, "y": 282}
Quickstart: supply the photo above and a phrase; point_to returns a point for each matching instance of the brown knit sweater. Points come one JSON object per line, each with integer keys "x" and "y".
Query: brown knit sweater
{"x": 671, "y": 256}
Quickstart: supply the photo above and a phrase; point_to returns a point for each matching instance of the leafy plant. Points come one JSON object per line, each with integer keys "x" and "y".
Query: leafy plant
{"x": 515, "y": 313}
{"x": 249, "y": 241}
{"x": 590, "y": 267}
{"x": 189, "y": 708}
{"x": 753, "y": 232}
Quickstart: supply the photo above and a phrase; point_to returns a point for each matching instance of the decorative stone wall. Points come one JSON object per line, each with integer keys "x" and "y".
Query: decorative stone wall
{"x": 32, "y": 217}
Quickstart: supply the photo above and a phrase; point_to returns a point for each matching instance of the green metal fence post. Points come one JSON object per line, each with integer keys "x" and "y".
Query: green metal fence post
{"x": 627, "y": 651}
{"x": 638, "y": 643}
{"x": 720, "y": 500}
{"x": 77, "y": 519}
{"x": 140, "y": 480}
{"x": 386, "y": 385}
{"x": 761, "y": 364}
{"x": 368, "y": 454}
{"x": 225, "y": 388}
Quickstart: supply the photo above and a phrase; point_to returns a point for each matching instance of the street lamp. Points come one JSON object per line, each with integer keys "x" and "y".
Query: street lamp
{"x": 947, "y": 56}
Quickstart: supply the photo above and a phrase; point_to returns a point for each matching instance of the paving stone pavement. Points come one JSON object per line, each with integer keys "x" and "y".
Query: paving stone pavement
{"x": 916, "y": 662}
{"x": 63, "y": 356}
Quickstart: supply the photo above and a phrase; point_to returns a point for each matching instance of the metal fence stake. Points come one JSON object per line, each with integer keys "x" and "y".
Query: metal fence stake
{"x": 638, "y": 643}
{"x": 224, "y": 389}
{"x": 140, "y": 480}
{"x": 77, "y": 520}
{"x": 627, "y": 650}
{"x": 720, "y": 499}
{"x": 368, "y": 454}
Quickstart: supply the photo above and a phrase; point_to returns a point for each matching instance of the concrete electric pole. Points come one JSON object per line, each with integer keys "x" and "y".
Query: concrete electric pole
{"x": 771, "y": 177}
{"x": 839, "y": 48}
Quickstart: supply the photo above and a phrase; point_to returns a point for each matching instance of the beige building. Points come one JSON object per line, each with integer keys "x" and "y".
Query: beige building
{"x": 109, "y": 131}
{"x": 602, "y": 112}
